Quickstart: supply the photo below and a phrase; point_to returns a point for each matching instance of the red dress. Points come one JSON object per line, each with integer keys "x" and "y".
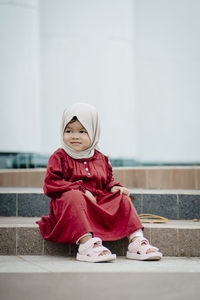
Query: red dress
{"x": 72, "y": 213}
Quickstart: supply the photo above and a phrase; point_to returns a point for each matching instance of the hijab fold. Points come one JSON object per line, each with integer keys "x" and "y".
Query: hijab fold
{"x": 88, "y": 117}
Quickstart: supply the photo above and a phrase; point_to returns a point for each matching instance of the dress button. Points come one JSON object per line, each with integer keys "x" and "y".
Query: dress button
{"x": 85, "y": 162}
{"x": 87, "y": 169}
{"x": 88, "y": 174}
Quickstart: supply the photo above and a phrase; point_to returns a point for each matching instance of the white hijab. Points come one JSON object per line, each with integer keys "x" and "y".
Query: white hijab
{"x": 88, "y": 117}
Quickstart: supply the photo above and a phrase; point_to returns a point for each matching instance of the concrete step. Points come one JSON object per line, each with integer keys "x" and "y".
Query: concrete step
{"x": 62, "y": 264}
{"x": 48, "y": 277}
{"x": 173, "y": 204}
{"x": 21, "y": 236}
{"x": 165, "y": 177}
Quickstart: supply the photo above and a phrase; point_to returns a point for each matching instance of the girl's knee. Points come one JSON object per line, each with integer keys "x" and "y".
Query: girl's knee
{"x": 127, "y": 202}
{"x": 69, "y": 203}
{"x": 72, "y": 198}
{"x": 72, "y": 193}
{"x": 126, "y": 198}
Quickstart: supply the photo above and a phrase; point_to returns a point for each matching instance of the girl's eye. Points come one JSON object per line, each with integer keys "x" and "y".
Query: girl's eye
{"x": 68, "y": 131}
{"x": 82, "y": 131}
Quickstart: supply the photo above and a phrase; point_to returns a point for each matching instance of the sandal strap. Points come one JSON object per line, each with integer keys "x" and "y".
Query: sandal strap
{"x": 105, "y": 249}
{"x": 144, "y": 248}
{"x": 89, "y": 249}
{"x": 136, "y": 246}
{"x": 95, "y": 251}
{"x": 84, "y": 248}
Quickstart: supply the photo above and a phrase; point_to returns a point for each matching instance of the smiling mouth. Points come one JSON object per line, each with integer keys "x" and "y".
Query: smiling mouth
{"x": 75, "y": 143}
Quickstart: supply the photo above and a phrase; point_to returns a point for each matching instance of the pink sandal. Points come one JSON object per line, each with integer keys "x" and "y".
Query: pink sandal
{"x": 138, "y": 250}
{"x": 87, "y": 252}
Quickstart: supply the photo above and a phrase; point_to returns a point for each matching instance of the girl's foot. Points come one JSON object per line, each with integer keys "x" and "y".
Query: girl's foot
{"x": 86, "y": 238}
{"x": 140, "y": 249}
{"x": 94, "y": 251}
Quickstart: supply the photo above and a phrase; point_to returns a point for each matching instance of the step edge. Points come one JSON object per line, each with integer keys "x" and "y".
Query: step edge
{"x": 39, "y": 191}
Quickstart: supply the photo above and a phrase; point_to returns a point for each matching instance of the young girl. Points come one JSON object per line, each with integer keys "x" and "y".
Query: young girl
{"x": 87, "y": 205}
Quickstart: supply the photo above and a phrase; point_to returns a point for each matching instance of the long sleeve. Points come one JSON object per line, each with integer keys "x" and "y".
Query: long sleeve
{"x": 55, "y": 181}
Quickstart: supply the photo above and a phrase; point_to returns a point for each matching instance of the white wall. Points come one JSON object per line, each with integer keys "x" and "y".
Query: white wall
{"x": 19, "y": 76}
{"x": 87, "y": 55}
{"x": 168, "y": 80}
{"x": 137, "y": 61}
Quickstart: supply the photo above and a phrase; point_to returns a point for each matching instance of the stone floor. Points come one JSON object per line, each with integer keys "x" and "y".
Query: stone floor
{"x": 50, "y": 277}
{"x": 53, "y": 264}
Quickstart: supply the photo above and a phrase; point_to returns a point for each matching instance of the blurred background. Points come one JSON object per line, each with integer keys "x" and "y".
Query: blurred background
{"x": 136, "y": 61}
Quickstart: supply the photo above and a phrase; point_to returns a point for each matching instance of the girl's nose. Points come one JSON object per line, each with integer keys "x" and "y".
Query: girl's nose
{"x": 75, "y": 136}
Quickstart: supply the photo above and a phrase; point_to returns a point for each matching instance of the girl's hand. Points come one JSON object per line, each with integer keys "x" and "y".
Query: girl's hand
{"x": 90, "y": 196}
{"x": 123, "y": 190}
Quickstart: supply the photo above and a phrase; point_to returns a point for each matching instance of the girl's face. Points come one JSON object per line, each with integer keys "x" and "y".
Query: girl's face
{"x": 76, "y": 136}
